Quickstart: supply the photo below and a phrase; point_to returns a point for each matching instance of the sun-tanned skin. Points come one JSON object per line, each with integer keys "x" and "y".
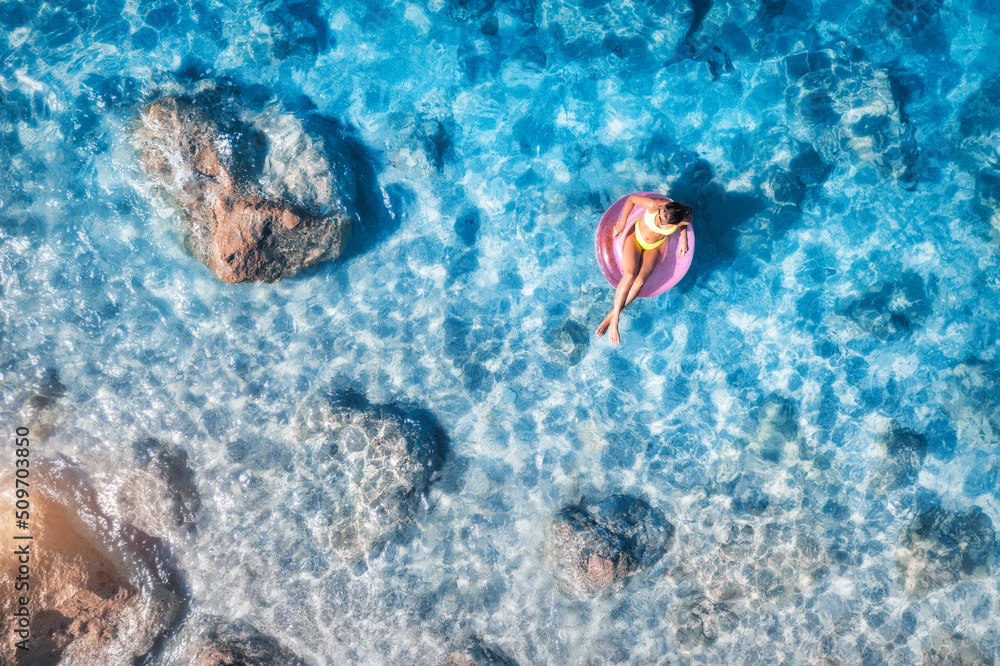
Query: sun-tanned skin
{"x": 634, "y": 258}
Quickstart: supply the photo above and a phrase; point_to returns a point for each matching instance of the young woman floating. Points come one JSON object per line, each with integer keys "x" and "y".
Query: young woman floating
{"x": 642, "y": 247}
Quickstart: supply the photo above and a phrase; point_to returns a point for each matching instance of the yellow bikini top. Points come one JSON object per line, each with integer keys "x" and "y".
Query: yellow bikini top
{"x": 650, "y": 217}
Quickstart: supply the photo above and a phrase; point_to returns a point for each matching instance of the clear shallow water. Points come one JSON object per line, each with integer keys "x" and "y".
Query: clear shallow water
{"x": 838, "y": 161}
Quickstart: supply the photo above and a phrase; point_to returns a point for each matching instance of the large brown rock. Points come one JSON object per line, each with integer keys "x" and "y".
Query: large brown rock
{"x": 95, "y": 595}
{"x": 257, "y": 222}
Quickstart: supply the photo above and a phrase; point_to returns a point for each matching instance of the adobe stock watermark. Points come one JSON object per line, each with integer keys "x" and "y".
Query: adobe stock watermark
{"x": 21, "y": 545}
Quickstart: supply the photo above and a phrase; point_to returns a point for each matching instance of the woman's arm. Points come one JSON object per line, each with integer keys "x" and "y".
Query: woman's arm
{"x": 626, "y": 210}
{"x": 682, "y": 248}
{"x": 634, "y": 200}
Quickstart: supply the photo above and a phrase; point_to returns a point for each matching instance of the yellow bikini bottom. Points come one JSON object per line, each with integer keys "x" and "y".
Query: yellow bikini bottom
{"x": 643, "y": 245}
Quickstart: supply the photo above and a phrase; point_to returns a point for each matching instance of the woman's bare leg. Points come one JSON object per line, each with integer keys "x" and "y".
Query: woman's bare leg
{"x": 649, "y": 260}
{"x": 631, "y": 258}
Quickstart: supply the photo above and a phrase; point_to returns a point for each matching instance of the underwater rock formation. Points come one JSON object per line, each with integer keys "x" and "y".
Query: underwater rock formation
{"x": 700, "y": 620}
{"x": 259, "y": 197}
{"x": 44, "y": 408}
{"x": 978, "y": 152}
{"x": 477, "y": 654}
{"x": 942, "y": 647}
{"x": 840, "y": 101}
{"x": 776, "y": 436}
{"x": 381, "y": 460}
{"x": 889, "y": 311}
{"x": 161, "y": 498}
{"x": 940, "y": 547}
{"x": 904, "y": 451}
{"x": 98, "y": 594}
{"x": 750, "y": 565}
{"x": 973, "y": 401}
{"x": 599, "y": 545}
{"x": 235, "y": 644}
{"x": 568, "y": 342}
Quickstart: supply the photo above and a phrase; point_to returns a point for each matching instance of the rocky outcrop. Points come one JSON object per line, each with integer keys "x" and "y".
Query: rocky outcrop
{"x": 940, "y": 547}
{"x": 237, "y": 644}
{"x": 382, "y": 457}
{"x": 597, "y": 546}
{"x": 260, "y": 199}
{"x": 98, "y": 592}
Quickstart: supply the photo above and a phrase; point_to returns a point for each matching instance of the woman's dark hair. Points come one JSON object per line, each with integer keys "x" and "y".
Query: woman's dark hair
{"x": 675, "y": 212}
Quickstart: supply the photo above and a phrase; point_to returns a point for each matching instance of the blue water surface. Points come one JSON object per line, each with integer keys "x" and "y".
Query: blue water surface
{"x": 842, "y": 163}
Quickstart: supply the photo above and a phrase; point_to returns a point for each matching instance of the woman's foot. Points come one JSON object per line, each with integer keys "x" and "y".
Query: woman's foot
{"x": 603, "y": 328}
{"x": 615, "y": 339}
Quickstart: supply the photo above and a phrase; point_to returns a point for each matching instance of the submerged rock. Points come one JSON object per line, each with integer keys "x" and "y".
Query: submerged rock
{"x": 840, "y": 101}
{"x": 973, "y": 402}
{"x": 701, "y": 619}
{"x": 568, "y": 342}
{"x": 381, "y": 459}
{"x": 890, "y": 310}
{"x": 598, "y": 545}
{"x": 45, "y": 409}
{"x": 477, "y": 654}
{"x": 237, "y": 644}
{"x": 904, "y": 452}
{"x": 978, "y": 151}
{"x": 947, "y": 648}
{"x": 161, "y": 497}
{"x": 99, "y": 593}
{"x": 776, "y": 436}
{"x": 260, "y": 198}
{"x": 940, "y": 547}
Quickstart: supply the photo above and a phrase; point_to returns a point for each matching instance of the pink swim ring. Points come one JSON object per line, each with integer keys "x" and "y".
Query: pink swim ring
{"x": 670, "y": 268}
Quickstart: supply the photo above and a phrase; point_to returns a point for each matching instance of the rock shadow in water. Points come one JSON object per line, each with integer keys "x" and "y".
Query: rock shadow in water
{"x": 380, "y": 210}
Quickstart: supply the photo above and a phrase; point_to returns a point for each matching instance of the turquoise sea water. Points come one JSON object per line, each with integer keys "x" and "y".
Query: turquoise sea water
{"x": 842, "y": 163}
